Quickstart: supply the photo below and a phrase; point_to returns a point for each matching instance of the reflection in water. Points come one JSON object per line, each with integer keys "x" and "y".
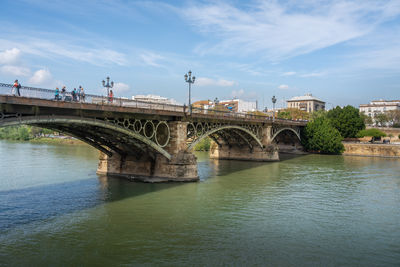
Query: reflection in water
{"x": 306, "y": 210}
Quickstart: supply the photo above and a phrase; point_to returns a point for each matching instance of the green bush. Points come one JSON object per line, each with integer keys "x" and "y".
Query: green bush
{"x": 23, "y": 134}
{"x": 371, "y": 132}
{"x": 203, "y": 145}
{"x": 320, "y": 136}
{"x": 346, "y": 120}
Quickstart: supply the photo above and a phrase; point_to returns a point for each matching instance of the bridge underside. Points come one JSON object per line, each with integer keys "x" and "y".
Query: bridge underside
{"x": 106, "y": 140}
{"x": 288, "y": 142}
{"x": 233, "y": 144}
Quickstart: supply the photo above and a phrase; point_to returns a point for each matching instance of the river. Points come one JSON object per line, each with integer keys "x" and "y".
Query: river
{"x": 302, "y": 211}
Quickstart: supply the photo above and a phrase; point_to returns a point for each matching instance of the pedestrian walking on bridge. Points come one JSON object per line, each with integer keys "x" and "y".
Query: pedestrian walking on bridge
{"x": 81, "y": 94}
{"x": 16, "y": 88}
{"x": 57, "y": 94}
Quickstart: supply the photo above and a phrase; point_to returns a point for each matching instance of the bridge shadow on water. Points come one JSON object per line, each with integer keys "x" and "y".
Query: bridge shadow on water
{"x": 209, "y": 167}
{"x": 40, "y": 203}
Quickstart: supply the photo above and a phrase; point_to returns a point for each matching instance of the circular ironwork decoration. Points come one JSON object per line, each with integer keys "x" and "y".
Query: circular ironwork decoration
{"x": 199, "y": 129}
{"x": 149, "y": 129}
{"x": 162, "y": 134}
{"x": 137, "y": 126}
{"x": 207, "y": 127}
{"x": 126, "y": 123}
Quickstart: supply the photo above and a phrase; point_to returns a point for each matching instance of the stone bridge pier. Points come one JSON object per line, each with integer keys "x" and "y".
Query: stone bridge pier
{"x": 180, "y": 167}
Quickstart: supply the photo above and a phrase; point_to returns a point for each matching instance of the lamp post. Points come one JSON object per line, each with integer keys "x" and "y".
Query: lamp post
{"x": 189, "y": 79}
{"x": 273, "y": 107}
{"x": 108, "y": 85}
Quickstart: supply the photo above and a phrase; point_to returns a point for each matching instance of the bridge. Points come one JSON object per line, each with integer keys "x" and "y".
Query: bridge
{"x": 150, "y": 141}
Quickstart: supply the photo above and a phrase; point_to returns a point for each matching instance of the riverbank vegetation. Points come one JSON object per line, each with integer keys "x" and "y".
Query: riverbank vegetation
{"x": 23, "y": 132}
{"x": 327, "y": 129}
{"x": 35, "y": 135}
{"x": 374, "y": 134}
{"x": 320, "y": 136}
{"x": 203, "y": 145}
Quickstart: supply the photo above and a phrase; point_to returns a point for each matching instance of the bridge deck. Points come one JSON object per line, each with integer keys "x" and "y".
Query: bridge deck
{"x": 36, "y": 106}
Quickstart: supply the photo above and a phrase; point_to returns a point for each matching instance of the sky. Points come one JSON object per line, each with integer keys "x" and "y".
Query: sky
{"x": 343, "y": 52}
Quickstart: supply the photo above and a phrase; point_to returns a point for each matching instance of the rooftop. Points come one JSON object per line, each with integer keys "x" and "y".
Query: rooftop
{"x": 305, "y": 97}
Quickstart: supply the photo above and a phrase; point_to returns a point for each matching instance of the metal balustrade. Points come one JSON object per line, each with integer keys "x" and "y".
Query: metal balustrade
{"x": 48, "y": 94}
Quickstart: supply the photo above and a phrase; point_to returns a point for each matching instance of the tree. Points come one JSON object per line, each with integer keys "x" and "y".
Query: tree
{"x": 320, "y": 136}
{"x": 394, "y": 117}
{"x": 367, "y": 119}
{"x": 346, "y": 120}
{"x": 293, "y": 114}
{"x": 374, "y": 133}
{"x": 318, "y": 114}
{"x": 381, "y": 119}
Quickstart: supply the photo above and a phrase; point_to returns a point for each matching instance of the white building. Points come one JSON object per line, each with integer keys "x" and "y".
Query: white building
{"x": 306, "y": 102}
{"x": 239, "y": 105}
{"x": 379, "y": 106}
{"x": 154, "y": 99}
{"x": 236, "y": 105}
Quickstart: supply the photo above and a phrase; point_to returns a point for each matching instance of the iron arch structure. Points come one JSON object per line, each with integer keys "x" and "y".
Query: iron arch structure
{"x": 276, "y": 131}
{"x": 105, "y": 135}
{"x": 247, "y": 134}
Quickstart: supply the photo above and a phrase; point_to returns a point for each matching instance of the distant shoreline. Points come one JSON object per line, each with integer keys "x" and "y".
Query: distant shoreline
{"x": 50, "y": 140}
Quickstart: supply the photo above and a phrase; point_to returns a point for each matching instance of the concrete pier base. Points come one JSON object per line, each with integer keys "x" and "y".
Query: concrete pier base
{"x": 181, "y": 168}
{"x": 269, "y": 153}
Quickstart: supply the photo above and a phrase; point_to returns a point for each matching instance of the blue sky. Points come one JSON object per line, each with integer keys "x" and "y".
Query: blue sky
{"x": 343, "y": 52}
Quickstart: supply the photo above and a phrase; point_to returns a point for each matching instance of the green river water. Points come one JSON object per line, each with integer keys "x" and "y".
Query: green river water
{"x": 302, "y": 211}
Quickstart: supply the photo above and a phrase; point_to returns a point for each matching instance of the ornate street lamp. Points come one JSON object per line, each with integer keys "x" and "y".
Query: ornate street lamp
{"x": 189, "y": 79}
{"x": 108, "y": 85}
{"x": 273, "y": 108}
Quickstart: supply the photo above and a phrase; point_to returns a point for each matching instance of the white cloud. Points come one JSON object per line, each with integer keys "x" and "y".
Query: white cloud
{"x": 289, "y": 73}
{"x": 15, "y": 70}
{"x": 312, "y": 74}
{"x": 151, "y": 59}
{"x": 41, "y": 77}
{"x": 121, "y": 87}
{"x": 9, "y": 56}
{"x": 203, "y": 81}
{"x": 283, "y": 86}
{"x": 57, "y": 49}
{"x": 278, "y": 30}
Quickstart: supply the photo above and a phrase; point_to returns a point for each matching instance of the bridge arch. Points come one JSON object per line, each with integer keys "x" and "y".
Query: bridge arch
{"x": 240, "y": 132}
{"x": 62, "y": 123}
{"x": 297, "y": 133}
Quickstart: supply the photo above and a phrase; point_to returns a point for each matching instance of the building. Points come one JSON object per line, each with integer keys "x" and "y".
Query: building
{"x": 379, "y": 106}
{"x": 236, "y": 105}
{"x": 154, "y": 99}
{"x": 307, "y": 103}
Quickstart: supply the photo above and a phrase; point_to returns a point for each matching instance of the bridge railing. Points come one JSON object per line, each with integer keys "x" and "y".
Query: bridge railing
{"x": 48, "y": 94}
{"x": 228, "y": 113}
